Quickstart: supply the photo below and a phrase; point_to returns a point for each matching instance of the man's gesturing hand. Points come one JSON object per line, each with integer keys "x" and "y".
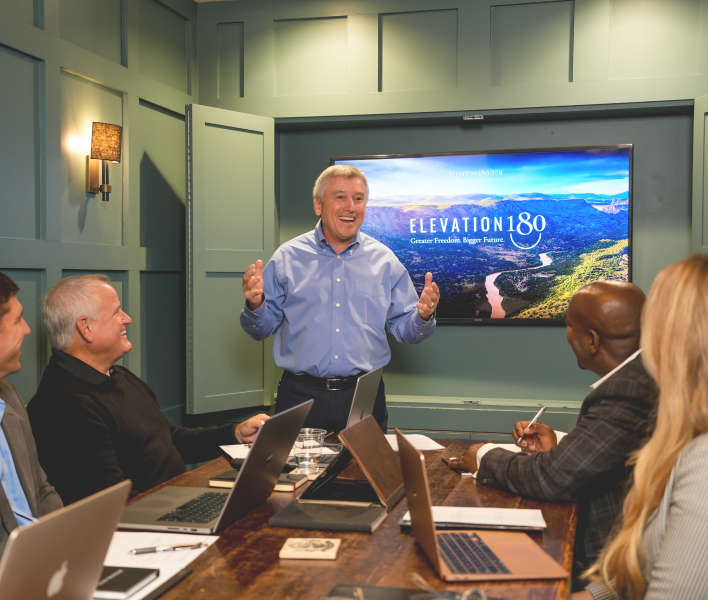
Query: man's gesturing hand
{"x": 253, "y": 284}
{"x": 429, "y": 298}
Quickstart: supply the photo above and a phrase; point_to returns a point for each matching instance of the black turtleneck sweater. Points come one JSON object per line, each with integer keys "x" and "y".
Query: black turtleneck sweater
{"x": 93, "y": 430}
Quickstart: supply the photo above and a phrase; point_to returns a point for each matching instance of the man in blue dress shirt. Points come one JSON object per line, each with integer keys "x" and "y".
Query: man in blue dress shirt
{"x": 329, "y": 295}
{"x": 25, "y": 492}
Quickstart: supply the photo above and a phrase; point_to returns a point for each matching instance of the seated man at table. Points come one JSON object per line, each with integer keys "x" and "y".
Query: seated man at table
{"x": 25, "y": 492}
{"x": 96, "y": 423}
{"x": 587, "y": 465}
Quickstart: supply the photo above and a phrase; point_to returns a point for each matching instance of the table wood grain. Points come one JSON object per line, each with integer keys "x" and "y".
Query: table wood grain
{"x": 244, "y": 562}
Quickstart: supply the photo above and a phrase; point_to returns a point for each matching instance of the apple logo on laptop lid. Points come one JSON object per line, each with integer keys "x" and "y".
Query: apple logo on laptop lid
{"x": 56, "y": 581}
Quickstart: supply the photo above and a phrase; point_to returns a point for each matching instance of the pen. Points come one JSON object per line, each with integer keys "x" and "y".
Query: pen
{"x": 150, "y": 549}
{"x": 536, "y": 417}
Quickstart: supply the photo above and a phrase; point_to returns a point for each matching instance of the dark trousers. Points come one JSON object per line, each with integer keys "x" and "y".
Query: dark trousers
{"x": 331, "y": 407}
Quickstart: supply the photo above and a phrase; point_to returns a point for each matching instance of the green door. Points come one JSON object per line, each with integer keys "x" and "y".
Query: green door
{"x": 230, "y": 224}
{"x": 699, "y": 217}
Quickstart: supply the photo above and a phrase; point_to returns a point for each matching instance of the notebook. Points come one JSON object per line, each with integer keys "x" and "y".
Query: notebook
{"x": 339, "y": 503}
{"x": 468, "y": 555}
{"x": 287, "y": 482}
{"x": 60, "y": 556}
{"x": 367, "y": 387}
{"x": 205, "y": 510}
{"x": 483, "y": 517}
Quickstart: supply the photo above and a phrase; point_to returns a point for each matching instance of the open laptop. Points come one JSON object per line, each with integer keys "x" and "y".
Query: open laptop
{"x": 367, "y": 387}
{"x": 206, "y": 510}
{"x": 346, "y": 499}
{"x": 60, "y": 556}
{"x": 468, "y": 555}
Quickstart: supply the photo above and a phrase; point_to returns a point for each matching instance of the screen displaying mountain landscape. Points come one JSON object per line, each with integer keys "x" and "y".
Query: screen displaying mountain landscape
{"x": 508, "y": 236}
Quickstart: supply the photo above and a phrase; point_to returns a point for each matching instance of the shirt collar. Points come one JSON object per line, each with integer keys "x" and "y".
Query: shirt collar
{"x": 323, "y": 243}
{"x": 2, "y": 408}
{"x": 606, "y": 376}
{"x": 79, "y": 369}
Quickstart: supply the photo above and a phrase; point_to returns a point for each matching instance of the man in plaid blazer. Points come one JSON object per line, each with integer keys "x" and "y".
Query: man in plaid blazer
{"x": 588, "y": 465}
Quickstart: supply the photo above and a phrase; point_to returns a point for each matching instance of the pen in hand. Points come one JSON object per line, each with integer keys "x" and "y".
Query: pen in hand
{"x": 533, "y": 421}
{"x": 151, "y": 549}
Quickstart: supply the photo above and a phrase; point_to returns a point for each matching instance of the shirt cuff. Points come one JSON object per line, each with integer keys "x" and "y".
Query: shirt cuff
{"x": 255, "y": 313}
{"x": 421, "y": 323}
{"x": 559, "y": 435}
{"x": 483, "y": 449}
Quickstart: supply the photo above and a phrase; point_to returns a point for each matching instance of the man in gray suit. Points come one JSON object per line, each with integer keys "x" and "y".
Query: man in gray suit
{"x": 25, "y": 492}
{"x": 588, "y": 465}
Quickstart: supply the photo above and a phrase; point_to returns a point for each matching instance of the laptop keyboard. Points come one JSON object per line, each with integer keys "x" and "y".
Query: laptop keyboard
{"x": 467, "y": 553}
{"x": 201, "y": 509}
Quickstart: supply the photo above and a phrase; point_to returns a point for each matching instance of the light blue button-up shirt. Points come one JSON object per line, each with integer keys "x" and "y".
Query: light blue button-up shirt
{"x": 330, "y": 311}
{"x": 9, "y": 479}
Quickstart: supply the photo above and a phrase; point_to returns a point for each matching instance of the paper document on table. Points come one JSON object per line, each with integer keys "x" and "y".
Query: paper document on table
{"x": 486, "y": 448}
{"x": 240, "y": 451}
{"x": 420, "y": 441}
{"x": 483, "y": 517}
{"x": 169, "y": 563}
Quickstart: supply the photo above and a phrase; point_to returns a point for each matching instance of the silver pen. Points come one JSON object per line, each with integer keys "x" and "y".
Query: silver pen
{"x": 151, "y": 549}
{"x": 536, "y": 417}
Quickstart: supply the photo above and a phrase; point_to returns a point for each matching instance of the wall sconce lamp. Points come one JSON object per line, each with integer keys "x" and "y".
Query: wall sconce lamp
{"x": 105, "y": 147}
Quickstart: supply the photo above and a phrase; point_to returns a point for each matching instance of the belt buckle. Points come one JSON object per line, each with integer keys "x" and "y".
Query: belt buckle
{"x": 331, "y": 384}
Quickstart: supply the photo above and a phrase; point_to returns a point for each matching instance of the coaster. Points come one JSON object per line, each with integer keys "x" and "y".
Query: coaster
{"x": 308, "y": 548}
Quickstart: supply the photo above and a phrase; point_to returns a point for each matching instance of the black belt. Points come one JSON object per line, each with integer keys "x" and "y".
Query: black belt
{"x": 328, "y": 383}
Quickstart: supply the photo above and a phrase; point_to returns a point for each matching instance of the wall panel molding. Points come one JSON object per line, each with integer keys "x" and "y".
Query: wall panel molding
{"x": 79, "y": 81}
{"x": 95, "y": 25}
{"x": 505, "y": 54}
{"x": 418, "y": 50}
{"x": 310, "y": 56}
{"x": 23, "y": 150}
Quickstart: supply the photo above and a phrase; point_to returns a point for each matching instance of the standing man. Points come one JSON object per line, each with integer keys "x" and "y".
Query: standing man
{"x": 588, "y": 465}
{"x": 329, "y": 296}
{"x": 95, "y": 422}
{"x": 25, "y": 492}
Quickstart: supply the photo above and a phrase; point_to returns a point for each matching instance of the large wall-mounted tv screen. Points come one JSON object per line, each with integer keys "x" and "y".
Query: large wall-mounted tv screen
{"x": 508, "y": 235}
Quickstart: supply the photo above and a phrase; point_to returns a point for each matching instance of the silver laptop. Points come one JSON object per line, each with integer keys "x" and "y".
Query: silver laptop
{"x": 60, "y": 556}
{"x": 367, "y": 386}
{"x": 206, "y": 510}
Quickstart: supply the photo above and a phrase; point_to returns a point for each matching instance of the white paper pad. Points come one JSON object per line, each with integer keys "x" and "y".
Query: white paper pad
{"x": 486, "y": 517}
{"x": 169, "y": 563}
{"x": 241, "y": 451}
{"x": 420, "y": 441}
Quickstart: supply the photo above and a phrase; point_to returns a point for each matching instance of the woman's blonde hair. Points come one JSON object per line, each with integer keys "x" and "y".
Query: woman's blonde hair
{"x": 674, "y": 344}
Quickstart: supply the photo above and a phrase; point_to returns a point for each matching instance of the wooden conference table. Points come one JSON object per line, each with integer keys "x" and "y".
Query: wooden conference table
{"x": 244, "y": 562}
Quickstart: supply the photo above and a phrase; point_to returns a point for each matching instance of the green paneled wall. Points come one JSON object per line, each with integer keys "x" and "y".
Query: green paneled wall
{"x": 497, "y": 57}
{"x": 64, "y": 64}
{"x": 20, "y": 149}
{"x": 412, "y": 56}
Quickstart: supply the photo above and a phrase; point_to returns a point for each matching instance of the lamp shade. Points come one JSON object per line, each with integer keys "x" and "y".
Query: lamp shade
{"x": 105, "y": 141}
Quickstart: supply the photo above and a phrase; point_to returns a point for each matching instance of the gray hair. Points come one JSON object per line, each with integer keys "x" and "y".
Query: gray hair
{"x": 71, "y": 298}
{"x": 337, "y": 171}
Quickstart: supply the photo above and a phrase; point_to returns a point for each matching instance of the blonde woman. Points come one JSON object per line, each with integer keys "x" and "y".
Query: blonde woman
{"x": 660, "y": 550}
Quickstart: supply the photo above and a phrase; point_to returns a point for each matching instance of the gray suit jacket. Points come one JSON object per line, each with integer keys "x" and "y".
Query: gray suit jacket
{"x": 40, "y": 494}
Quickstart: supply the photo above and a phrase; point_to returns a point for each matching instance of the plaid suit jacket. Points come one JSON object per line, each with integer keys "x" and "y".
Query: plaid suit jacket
{"x": 588, "y": 465}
